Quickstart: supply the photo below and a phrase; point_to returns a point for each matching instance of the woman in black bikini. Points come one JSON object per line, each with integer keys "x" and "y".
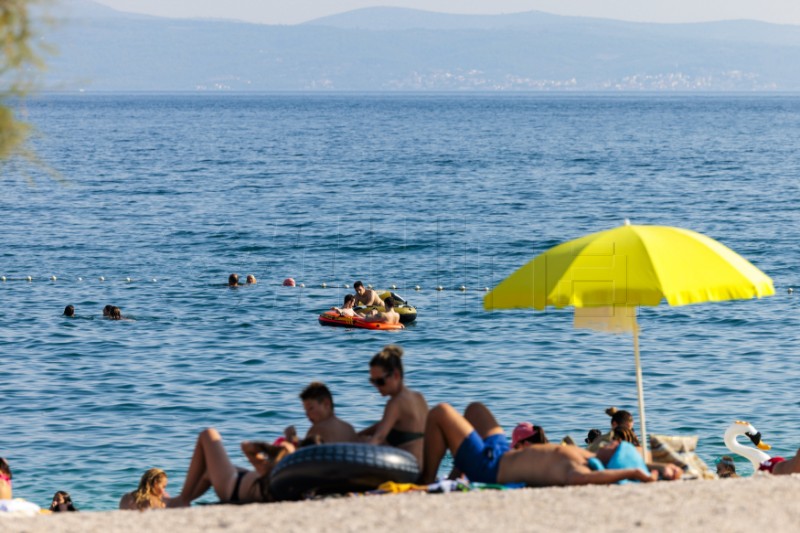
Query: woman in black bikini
{"x": 403, "y": 422}
{"x": 211, "y": 467}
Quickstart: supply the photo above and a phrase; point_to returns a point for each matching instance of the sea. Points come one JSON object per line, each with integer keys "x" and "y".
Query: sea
{"x": 149, "y": 201}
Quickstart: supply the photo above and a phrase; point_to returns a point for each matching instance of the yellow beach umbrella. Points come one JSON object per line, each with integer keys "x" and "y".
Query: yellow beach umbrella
{"x": 606, "y": 275}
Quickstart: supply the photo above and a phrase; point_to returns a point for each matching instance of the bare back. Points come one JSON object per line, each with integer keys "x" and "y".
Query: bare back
{"x": 333, "y": 429}
{"x": 543, "y": 465}
{"x": 412, "y": 413}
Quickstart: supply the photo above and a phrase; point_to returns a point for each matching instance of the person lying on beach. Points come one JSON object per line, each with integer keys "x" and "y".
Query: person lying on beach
{"x": 151, "y": 494}
{"x": 403, "y": 421}
{"x": 5, "y": 480}
{"x": 347, "y": 306}
{"x": 482, "y": 453}
{"x": 389, "y": 316}
{"x": 526, "y": 434}
{"x": 62, "y": 502}
{"x": 366, "y": 297}
{"x": 211, "y": 467}
{"x": 318, "y": 404}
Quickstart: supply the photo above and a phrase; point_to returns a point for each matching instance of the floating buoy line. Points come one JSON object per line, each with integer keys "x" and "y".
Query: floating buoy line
{"x": 288, "y": 282}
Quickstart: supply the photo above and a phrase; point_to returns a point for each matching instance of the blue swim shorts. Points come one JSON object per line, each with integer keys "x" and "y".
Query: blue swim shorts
{"x": 480, "y": 459}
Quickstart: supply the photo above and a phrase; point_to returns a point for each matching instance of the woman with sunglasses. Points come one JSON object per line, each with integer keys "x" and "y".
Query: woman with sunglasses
{"x": 403, "y": 422}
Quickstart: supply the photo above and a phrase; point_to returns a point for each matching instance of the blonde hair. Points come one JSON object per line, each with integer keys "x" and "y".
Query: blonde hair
{"x": 149, "y": 480}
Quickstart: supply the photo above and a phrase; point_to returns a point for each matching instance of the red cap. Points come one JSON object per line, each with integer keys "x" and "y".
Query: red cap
{"x": 524, "y": 430}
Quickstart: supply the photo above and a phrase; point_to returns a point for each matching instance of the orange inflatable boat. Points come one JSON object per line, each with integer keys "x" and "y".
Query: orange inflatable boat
{"x": 333, "y": 318}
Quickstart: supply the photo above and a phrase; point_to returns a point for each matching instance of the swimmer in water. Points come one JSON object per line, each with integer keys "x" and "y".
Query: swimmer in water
{"x": 233, "y": 280}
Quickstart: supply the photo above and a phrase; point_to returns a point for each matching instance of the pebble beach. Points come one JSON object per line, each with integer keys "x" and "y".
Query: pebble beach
{"x": 764, "y": 502}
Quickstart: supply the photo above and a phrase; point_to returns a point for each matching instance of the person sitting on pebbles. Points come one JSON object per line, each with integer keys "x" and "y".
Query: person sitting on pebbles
{"x": 483, "y": 454}
{"x": 318, "y": 405}
{"x": 151, "y": 494}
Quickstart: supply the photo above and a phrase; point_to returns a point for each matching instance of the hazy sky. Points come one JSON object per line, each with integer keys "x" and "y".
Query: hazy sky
{"x": 294, "y": 11}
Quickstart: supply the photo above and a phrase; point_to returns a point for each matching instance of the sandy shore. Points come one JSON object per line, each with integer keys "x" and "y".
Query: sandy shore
{"x": 761, "y": 503}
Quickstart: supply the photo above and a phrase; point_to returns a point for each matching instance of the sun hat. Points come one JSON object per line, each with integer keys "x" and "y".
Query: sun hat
{"x": 524, "y": 430}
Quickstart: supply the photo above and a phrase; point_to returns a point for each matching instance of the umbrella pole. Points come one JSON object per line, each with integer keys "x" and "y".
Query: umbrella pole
{"x": 640, "y": 388}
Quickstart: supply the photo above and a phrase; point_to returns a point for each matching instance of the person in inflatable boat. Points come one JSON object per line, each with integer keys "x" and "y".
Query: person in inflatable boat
{"x": 366, "y": 297}
{"x": 482, "y": 453}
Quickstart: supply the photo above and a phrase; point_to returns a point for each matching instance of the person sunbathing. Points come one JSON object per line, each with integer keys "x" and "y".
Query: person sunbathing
{"x": 211, "y": 467}
{"x": 403, "y": 419}
{"x": 151, "y": 494}
{"x": 483, "y": 454}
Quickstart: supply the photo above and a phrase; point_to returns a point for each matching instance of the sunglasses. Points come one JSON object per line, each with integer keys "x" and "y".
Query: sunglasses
{"x": 380, "y": 382}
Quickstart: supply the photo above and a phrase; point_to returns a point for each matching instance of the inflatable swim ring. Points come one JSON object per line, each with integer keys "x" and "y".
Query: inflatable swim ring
{"x": 339, "y": 469}
{"x": 333, "y": 318}
{"x": 407, "y": 312}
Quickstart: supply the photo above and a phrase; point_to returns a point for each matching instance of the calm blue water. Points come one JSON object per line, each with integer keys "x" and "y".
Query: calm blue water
{"x": 177, "y": 191}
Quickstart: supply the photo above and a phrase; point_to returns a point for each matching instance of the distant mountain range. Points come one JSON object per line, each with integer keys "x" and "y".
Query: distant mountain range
{"x": 388, "y": 49}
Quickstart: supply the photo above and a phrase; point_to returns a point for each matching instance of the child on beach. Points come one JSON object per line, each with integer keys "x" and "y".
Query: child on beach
{"x": 151, "y": 494}
{"x": 403, "y": 421}
{"x": 318, "y": 405}
{"x": 62, "y": 502}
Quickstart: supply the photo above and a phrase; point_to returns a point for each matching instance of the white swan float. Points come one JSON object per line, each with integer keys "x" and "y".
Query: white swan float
{"x": 754, "y": 455}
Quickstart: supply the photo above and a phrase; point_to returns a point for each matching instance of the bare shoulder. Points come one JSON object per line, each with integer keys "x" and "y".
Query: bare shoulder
{"x": 126, "y": 503}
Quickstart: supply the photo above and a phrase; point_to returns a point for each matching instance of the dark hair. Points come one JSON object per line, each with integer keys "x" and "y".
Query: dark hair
{"x": 357, "y": 284}
{"x": 538, "y": 436}
{"x": 625, "y": 434}
{"x": 348, "y": 298}
{"x": 69, "y": 310}
{"x": 592, "y": 436}
{"x": 115, "y": 313}
{"x": 389, "y": 303}
{"x": 389, "y": 359}
{"x": 233, "y": 279}
{"x": 5, "y": 469}
{"x": 317, "y": 391}
{"x": 67, "y": 502}
{"x": 618, "y": 416}
{"x": 107, "y": 310}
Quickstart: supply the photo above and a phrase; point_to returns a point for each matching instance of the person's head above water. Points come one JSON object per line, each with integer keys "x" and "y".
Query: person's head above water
{"x": 115, "y": 313}
{"x": 620, "y": 418}
{"x": 233, "y": 280}
{"x": 69, "y": 310}
{"x": 251, "y": 279}
{"x": 107, "y": 310}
